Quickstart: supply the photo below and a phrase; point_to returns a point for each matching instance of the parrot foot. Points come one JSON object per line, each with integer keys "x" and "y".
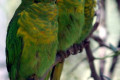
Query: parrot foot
{"x": 75, "y": 49}
{"x": 33, "y": 77}
{"x": 62, "y": 55}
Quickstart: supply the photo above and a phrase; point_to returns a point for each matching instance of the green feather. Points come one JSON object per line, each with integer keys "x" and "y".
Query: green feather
{"x": 89, "y": 14}
{"x": 31, "y": 43}
{"x": 73, "y": 26}
{"x": 70, "y": 22}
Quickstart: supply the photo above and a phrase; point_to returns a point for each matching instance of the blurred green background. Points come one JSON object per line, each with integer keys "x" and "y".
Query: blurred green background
{"x": 70, "y": 72}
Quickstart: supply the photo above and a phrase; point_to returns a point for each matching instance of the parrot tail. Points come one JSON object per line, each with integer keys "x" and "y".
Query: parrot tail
{"x": 56, "y": 72}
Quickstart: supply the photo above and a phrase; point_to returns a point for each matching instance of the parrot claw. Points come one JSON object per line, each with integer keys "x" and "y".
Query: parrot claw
{"x": 62, "y": 55}
{"x": 75, "y": 49}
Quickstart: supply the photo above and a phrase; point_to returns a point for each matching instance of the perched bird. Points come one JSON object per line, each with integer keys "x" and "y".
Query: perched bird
{"x": 70, "y": 24}
{"x": 32, "y": 39}
{"x": 41, "y": 28}
{"x": 75, "y": 23}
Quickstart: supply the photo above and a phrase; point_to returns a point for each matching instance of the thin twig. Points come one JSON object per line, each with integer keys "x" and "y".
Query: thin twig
{"x": 114, "y": 62}
{"x": 105, "y": 57}
{"x": 91, "y": 63}
{"x": 102, "y": 44}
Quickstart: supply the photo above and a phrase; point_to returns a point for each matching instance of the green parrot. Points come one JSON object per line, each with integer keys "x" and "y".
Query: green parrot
{"x": 75, "y": 23}
{"x": 70, "y": 24}
{"x": 32, "y": 39}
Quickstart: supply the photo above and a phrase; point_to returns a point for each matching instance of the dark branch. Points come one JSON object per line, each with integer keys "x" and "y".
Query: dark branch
{"x": 102, "y": 44}
{"x": 91, "y": 63}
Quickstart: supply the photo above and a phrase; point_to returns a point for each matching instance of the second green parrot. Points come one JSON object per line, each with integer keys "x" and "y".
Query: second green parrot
{"x": 75, "y": 23}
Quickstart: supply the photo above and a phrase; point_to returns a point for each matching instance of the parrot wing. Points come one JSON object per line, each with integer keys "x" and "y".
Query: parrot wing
{"x": 14, "y": 46}
{"x": 89, "y": 14}
{"x": 31, "y": 43}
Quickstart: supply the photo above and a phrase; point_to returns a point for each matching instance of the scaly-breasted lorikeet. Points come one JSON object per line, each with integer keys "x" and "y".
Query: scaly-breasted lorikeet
{"x": 70, "y": 23}
{"x": 32, "y": 40}
{"x": 75, "y": 23}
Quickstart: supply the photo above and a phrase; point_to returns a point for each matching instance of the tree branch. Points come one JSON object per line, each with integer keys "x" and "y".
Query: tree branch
{"x": 91, "y": 59}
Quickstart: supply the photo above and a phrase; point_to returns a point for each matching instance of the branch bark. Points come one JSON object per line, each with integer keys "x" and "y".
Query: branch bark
{"x": 91, "y": 63}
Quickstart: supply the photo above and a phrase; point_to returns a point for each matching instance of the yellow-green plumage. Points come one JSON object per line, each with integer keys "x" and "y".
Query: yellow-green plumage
{"x": 70, "y": 23}
{"x": 89, "y": 14}
{"x": 32, "y": 41}
{"x": 37, "y": 31}
{"x": 76, "y": 23}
